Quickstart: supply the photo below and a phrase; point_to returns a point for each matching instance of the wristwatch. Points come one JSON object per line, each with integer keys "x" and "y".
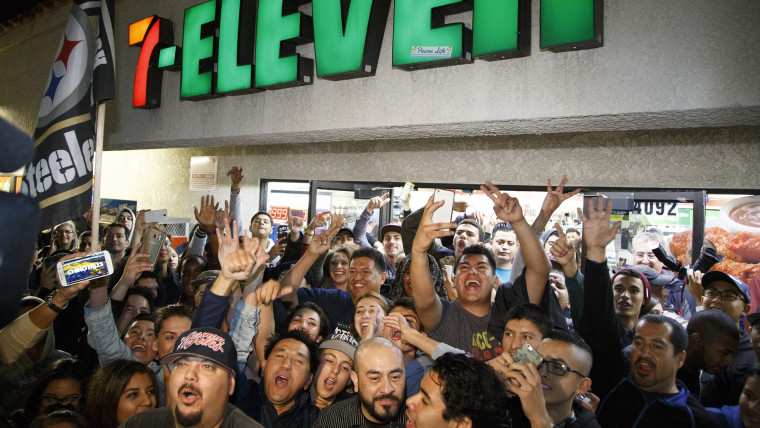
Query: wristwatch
{"x": 51, "y": 305}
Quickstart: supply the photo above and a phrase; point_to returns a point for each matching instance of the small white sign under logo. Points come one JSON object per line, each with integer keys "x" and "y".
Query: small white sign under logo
{"x": 431, "y": 51}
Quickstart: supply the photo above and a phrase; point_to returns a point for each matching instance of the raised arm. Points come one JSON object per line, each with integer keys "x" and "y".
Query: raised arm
{"x": 136, "y": 264}
{"x": 319, "y": 245}
{"x": 552, "y": 201}
{"x": 139, "y": 227}
{"x": 537, "y": 264}
{"x": 206, "y": 217}
{"x": 426, "y": 301}
{"x": 236, "y": 202}
{"x": 360, "y": 227}
{"x": 564, "y": 253}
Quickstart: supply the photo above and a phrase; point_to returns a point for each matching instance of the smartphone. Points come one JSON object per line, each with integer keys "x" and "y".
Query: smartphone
{"x": 156, "y": 216}
{"x": 443, "y": 214}
{"x": 152, "y": 242}
{"x": 283, "y": 231}
{"x": 527, "y": 354}
{"x": 85, "y": 268}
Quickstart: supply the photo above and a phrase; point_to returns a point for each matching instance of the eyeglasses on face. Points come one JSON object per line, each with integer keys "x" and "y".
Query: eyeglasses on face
{"x": 726, "y": 296}
{"x": 558, "y": 368}
{"x": 48, "y": 400}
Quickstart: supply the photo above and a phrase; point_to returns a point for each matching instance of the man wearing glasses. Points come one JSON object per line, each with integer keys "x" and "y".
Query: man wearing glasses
{"x": 548, "y": 393}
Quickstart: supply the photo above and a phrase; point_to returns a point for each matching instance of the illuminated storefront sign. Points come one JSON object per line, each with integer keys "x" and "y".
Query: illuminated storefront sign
{"x": 232, "y": 47}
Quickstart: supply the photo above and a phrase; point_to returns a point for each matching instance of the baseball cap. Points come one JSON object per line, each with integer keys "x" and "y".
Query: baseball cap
{"x": 205, "y": 342}
{"x": 346, "y": 230}
{"x": 654, "y": 277}
{"x": 753, "y": 318}
{"x": 341, "y": 340}
{"x": 206, "y": 277}
{"x": 716, "y": 275}
{"x": 390, "y": 227}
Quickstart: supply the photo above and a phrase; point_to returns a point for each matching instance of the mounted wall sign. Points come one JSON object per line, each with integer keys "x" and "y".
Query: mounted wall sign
{"x": 232, "y": 47}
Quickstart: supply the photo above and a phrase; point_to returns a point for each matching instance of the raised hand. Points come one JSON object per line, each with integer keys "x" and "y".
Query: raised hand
{"x": 428, "y": 231}
{"x": 206, "y": 216}
{"x": 319, "y": 220}
{"x": 222, "y": 217}
{"x": 597, "y": 232}
{"x": 236, "y": 176}
{"x": 554, "y": 198}
{"x": 321, "y": 242}
{"x": 694, "y": 282}
{"x": 506, "y": 207}
{"x": 396, "y": 321}
{"x": 563, "y": 251}
{"x": 377, "y": 202}
{"x": 267, "y": 292}
{"x": 136, "y": 264}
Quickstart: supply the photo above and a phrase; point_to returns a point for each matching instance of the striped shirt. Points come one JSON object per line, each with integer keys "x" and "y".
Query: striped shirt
{"x": 348, "y": 414}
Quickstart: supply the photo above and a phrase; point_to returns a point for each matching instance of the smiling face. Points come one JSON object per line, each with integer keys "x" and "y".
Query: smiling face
{"x": 141, "y": 341}
{"x": 643, "y": 255}
{"x": 560, "y": 390}
{"x": 138, "y": 396}
{"x": 333, "y": 373}
{"x": 368, "y": 315}
{"x": 465, "y": 235}
{"x": 307, "y": 320}
{"x": 286, "y": 372}
{"x": 653, "y": 361}
{"x": 628, "y": 295}
{"x": 199, "y": 389}
{"x": 392, "y": 244}
{"x": 749, "y": 402}
{"x": 734, "y": 309}
{"x": 341, "y": 238}
{"x": 339, "y": 269}
{"x": 64, "y": 234}
{"x": 364, "y": 277}
{"x": 475, "y": 279}
{"x": 504, "y": 246}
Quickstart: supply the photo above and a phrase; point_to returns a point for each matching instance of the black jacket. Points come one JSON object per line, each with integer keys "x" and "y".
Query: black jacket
{"x": 627, "y": 406}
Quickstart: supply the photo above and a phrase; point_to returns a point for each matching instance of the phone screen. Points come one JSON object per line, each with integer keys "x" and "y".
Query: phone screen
{"x": 85, "y": 268}
{"x": 444, "y": 213}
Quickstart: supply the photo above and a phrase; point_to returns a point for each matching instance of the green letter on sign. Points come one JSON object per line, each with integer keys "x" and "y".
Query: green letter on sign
{"x": 571, "y": 24}
{"x": 348, "y": 35}
{"x": 197, "y": 50}
{"x": 279, "y": 21}
{"x": 501, "y": 29}
{"x": 422, "y": 40}
{"x": 236, "y": 32}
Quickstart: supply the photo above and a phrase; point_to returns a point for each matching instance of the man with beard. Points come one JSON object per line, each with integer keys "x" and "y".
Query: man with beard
{"x": 202, "y": 379}
{"x": 379, "y": 381}
{"x": 647, "y": 393}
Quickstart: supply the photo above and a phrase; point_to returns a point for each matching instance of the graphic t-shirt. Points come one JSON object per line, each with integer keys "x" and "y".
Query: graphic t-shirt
{"x": 461, "y": 329}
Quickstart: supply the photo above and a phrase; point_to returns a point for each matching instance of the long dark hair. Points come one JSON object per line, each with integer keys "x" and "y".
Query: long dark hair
{"x": 106, "y": 387}
{"x": 66, "y": 368}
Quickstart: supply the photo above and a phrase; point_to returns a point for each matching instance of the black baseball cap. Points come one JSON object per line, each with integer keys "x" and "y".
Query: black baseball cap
{"x": 205, "y": 342}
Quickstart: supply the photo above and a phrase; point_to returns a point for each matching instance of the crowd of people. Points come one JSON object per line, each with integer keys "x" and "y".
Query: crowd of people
{"x": 429, "y": 324}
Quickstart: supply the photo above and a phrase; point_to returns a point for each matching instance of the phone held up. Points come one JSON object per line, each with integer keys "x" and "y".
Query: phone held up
{"x": 444, "y": 213}
{"x": 89, "y": 267}
{"x": 152, "y": 242}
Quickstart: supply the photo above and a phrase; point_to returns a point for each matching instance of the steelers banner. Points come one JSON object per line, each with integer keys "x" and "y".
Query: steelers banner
{"x": 59, "y": 177}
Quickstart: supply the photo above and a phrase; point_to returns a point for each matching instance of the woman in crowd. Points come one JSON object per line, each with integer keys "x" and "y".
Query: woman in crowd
{"x": 368, "y": 315}
{"x": 118, "y": 391}
{"x": 62, "y": 385}
{"x": 336, "y": 265}
{"x": 402, "y": 283}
